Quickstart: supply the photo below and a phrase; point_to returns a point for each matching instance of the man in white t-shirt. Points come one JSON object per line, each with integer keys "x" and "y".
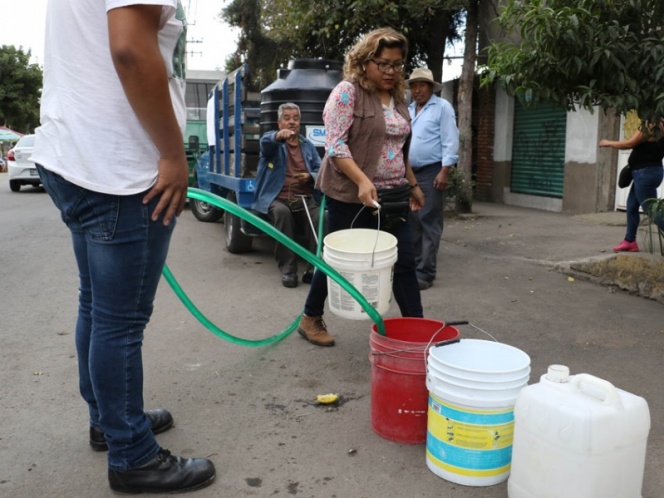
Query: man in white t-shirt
{"x": 110, "y": 154}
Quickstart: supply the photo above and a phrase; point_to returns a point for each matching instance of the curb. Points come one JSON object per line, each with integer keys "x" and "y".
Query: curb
{"x": 638, "y": 274}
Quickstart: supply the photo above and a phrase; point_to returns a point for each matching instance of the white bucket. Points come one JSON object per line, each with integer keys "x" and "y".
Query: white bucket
{"x": 479, "y": 391}
{"x": 473, "y": 386}
{"x": 483, "y": 361}
{"x": 366, "y": 259}
{"x": 578, "y": 436}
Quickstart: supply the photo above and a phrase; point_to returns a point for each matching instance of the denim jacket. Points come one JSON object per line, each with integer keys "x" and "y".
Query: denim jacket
{"x": 271, "y": 174}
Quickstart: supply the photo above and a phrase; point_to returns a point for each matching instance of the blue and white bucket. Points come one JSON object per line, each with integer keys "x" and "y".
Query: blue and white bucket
{"x": 473, "y": 386}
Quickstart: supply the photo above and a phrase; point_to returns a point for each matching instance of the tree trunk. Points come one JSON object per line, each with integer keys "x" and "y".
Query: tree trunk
{"x": 440, "y": 29}
{"x": 464, "y": 194}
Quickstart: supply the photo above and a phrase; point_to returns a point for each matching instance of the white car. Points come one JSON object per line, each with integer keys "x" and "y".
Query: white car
{"x": 21, "y": 169}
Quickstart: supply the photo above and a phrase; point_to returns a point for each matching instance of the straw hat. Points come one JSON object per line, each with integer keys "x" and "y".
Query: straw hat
{"x": 424, "y": 74}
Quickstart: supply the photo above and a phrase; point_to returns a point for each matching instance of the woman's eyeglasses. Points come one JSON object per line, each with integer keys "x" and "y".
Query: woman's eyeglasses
{"x": 384, "y": 67}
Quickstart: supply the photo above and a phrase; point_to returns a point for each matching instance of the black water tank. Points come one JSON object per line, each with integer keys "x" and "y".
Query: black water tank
{"x": 307, "y": 83}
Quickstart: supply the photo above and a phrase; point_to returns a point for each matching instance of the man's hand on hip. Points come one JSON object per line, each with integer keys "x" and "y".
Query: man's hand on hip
{"x": 442, "y": 179}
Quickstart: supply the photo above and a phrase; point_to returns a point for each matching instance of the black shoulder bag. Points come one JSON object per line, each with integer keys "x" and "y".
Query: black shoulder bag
{"x": 394, "y": 205}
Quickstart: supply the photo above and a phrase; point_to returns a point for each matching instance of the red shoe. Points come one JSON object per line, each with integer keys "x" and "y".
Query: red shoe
{"x": 626, "y": 246}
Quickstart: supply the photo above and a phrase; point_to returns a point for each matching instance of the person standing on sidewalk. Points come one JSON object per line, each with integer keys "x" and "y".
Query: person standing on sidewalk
{"x": 645, "y": 164}
{"x": 285, "y": 179}
{"x": 110, "y": 153}
{"x": 433, "y": 152}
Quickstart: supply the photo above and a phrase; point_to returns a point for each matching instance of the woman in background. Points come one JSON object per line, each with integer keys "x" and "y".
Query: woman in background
{"x": 645, "y": 163}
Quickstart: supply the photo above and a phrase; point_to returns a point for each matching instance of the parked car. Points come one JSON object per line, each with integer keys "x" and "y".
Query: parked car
{"x": 21, "y": 169}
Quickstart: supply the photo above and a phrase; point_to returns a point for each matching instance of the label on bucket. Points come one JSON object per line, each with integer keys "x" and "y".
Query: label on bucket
{"x": 368, "y": 284}
{"x": 469, "y": 442}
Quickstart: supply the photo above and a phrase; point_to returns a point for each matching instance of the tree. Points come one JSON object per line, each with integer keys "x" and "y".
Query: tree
{"x": 607, "y": 53}
{"x": 20, "y": 89}
{"x": 465, "y": 98}
{"x": 262, "y": 53}
{"x": 300, "y": 28}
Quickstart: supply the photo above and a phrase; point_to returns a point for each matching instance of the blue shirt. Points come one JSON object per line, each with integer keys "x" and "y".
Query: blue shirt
{"x": 435, "y": 134}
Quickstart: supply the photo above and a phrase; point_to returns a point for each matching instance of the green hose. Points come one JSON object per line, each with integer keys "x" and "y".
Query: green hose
{"x": 231, "y": 207}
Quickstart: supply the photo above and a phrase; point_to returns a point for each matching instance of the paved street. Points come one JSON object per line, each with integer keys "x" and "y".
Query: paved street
{"x": 253, "y": 410}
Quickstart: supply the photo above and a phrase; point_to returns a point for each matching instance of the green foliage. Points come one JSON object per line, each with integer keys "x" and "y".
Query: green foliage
{"x": 20, "y": 89}
{"x": 262, "y": 53}
{"x": 328, "y": 29}
{"x": 461, "y": 191}
{"x": 283, "y": 29}
{"x": 607, "y": 53}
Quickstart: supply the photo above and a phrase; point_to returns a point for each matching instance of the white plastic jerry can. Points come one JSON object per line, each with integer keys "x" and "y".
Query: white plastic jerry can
{"x": 578, "y": 437}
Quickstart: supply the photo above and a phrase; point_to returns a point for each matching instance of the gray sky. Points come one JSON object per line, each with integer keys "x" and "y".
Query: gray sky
{"x": 22, "y": 24}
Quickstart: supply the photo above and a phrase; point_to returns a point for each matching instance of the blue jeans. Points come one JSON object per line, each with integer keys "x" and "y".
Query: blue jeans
{"x": 120, "y": 254}
{"x": 428, "y": 223}
{"x": 404, "y": 286}
{"x": 646, "y": 181}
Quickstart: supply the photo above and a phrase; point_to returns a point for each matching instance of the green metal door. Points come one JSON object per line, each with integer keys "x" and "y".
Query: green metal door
{"x": 538, "y": 152}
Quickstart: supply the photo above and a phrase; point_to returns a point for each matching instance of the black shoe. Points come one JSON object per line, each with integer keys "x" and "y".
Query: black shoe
{"x": 289, "y": 279}
{"x": 307, "y": 276}
{"x": 165, "y": 473}
{"x": 424, "y": 285}
{"x": 161, "y": 421}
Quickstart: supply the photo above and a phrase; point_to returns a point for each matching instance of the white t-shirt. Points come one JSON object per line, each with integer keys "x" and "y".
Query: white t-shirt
{"x": 89, "y": 134}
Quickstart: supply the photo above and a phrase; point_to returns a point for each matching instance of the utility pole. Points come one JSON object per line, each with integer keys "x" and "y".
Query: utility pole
{"x": 194, "y": 52}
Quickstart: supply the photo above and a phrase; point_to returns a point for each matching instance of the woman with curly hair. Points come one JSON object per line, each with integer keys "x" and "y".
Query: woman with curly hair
{"x": 367, "y": 135}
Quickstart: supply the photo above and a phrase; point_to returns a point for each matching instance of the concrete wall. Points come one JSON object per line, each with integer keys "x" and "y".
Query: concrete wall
{"x": 579, "y": 192}
{"x": 590, "y": 172}
{"x": 502, "y": 144}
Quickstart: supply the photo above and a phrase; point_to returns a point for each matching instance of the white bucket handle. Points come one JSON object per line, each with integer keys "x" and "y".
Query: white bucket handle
{"x": 373, "y": 252}
{"x": 611, "y": 393}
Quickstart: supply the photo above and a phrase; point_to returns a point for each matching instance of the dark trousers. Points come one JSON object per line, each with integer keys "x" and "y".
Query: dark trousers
{"x": 289, "y": 218}
{"x": 404, "y": 286}
{"x": 428, "y": 223}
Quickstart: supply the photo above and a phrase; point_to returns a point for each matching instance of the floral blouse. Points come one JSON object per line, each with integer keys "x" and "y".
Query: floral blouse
{"x": 338, "y": 118}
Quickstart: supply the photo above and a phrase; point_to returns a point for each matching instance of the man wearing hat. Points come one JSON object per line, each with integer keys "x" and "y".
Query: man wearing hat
{"x": 434, "y": 150}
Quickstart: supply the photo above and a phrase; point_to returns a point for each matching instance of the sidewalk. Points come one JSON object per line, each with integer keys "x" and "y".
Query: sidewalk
{"x": 576, "y": 245}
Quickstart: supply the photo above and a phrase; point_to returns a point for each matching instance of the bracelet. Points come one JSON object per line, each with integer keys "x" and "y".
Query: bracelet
{"x": 415, "y": 185}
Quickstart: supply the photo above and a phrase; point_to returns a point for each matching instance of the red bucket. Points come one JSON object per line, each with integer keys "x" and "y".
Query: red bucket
{"x": 399, "y": 395}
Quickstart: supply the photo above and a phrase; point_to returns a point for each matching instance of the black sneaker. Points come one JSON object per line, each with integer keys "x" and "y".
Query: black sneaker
{"x": 165, "y": 473}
